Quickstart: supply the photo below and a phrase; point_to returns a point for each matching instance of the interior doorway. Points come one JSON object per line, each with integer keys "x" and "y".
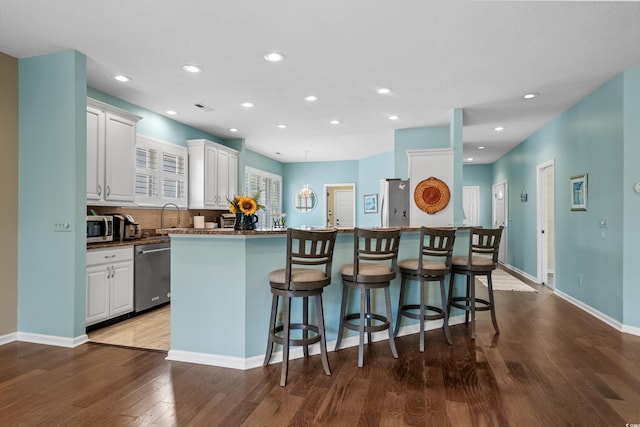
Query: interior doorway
{"x": 471, "y": 205}
{"x": 500, "y": 217}
{"x": 546, "y": 223}
{"x": 340, "y": 202}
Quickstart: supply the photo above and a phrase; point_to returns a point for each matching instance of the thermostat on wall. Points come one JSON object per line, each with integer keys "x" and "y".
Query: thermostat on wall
{"x": 637, "y": 187}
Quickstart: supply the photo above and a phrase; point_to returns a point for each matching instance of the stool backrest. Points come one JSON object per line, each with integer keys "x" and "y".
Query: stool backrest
{"x": 310, "y": 248}
{"x": 485, "y": 242}
{"x": 375, "y": 245}
{"x": 436, "y": 244}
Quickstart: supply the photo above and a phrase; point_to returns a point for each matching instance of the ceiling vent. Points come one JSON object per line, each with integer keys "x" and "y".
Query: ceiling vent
{"x": 204, "y": 107}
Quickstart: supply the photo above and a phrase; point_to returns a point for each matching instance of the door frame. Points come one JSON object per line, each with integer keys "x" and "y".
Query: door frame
{"x": 504, "y": 241}
{"x": 541, "y": 219}
{"x": 327, "y": 187}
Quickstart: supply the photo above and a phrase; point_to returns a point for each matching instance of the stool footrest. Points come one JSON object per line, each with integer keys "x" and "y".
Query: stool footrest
{"x": 367, "y": 328}
{"x": 405, "y": 311}
{"x": 484, "y": 304}
{"x": 297, "y": 341}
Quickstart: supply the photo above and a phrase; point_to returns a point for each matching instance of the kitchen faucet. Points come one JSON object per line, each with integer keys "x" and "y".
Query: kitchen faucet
{"x": 162, "y": 215}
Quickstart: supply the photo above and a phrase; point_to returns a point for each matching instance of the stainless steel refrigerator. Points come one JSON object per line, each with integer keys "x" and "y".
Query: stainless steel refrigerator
{"x": 394, "y": 204}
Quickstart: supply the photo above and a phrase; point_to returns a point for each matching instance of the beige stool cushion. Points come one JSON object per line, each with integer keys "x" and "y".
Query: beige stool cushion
{"x": 478, "y": 263}
{"x": 412, "y": 264}
{"x": 302, "y": 276}
{"x": 377, "y": 272}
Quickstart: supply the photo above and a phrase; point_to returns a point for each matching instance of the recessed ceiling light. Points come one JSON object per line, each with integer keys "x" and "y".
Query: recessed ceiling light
{"x": 481, "y": 147}
{"x": 282, "y": 126}
{"x": 498, "y": 128}
{"x": 531, "y": 95}
{"x": 335, "y": 122}
{"x": 311, "y": 98}
{"x": 384, "y": 90}
{"x": 171, "y": 112}
{"x": 247, "y": 104}
{"x": 274, "y": 57}
{"x": 469, "y": 159}
{"x": 233, "y": 130}
{"x": 190, "y": 68}
{"x": 394, "y": 117}
{"x": 122, "y": 78}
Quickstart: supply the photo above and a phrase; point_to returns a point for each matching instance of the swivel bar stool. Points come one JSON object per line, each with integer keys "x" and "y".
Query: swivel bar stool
{"x": 432, "y": 265}
{"x": 314, "y": 251}
{"x": 481, "y": 260}
{"x": 375, "y": 257}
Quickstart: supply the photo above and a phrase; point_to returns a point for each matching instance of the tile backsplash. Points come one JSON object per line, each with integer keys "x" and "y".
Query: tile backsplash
{"x": 149, "y": 218}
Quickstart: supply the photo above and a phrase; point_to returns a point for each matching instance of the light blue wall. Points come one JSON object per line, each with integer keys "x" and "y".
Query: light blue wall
{"x": 52, "y": 177}
{"x": 371, "y": 171}
{"x": 416, "y": 139}
{"x": 481, "y": 176}
{"x": 316, "y": 175}
{"x": 631, "y": 207}
{"x": 588, "y": 138}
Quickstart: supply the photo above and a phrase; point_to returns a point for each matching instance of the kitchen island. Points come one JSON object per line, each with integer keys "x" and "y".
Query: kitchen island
{"x": 221, "y": 299}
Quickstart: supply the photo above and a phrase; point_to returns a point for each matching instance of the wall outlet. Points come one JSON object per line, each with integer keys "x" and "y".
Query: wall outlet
{"x": 62, "y": 226}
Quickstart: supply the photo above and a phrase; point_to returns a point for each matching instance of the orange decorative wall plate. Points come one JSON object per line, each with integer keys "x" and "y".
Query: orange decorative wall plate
{"x": 431, "y": 195}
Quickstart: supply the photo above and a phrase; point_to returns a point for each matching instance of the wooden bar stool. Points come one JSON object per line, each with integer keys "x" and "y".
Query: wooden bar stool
{"x": 312, "y": 250}
{"x": 432, "y": 265}
{"x": 481, "y": 260}
{"x": 375, "y": 257}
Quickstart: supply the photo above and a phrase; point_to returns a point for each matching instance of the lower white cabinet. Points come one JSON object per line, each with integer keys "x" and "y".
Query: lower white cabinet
{"x": 109, "y": 283}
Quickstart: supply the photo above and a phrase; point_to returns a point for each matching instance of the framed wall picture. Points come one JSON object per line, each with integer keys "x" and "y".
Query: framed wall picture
{"x": 579, "y": 192}
{"x": 370, "y": 203}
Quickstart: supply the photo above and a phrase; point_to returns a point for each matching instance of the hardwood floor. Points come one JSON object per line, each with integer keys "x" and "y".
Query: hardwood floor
{"x": 149, "y": 330}
{"x": 552, "y": 365}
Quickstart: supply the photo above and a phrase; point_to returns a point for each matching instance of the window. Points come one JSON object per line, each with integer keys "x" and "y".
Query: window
{"x": 270, "y": 188}
{"x": 159, "y": 183}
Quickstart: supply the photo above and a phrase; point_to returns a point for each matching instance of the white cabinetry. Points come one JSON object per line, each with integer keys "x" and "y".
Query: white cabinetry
{"x": 111, "y": 135}
{"x": 213, "y": 175}
{"x": 109, "y": 283}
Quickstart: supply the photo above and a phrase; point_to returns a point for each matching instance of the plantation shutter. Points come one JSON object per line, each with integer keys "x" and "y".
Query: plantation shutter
{"x": 270, "y": 188}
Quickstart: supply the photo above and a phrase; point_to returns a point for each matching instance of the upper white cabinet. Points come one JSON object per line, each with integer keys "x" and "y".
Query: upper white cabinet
{"x": 213, "y": 175}
{"x": 111, "y": 135}
{"x": 161, "y": 173}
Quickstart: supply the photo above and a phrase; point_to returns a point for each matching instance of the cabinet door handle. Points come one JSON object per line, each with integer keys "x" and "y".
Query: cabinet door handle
{"x": 99, "y": 190}
{"x": 108, "y": 272}
{"x": 113, "y": 271}
{"x": 108, "y": 191}
{"x": 109, "y": 256}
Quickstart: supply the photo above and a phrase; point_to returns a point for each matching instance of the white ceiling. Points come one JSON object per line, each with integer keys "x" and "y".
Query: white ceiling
{"x": 481, "y": 56}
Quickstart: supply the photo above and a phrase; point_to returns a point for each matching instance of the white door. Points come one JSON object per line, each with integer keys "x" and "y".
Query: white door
{"x": 343, "y": 208}
{"x": 545, "y": 223}
{"x": 470, "y": 205}
{"x": 500, "y": 215}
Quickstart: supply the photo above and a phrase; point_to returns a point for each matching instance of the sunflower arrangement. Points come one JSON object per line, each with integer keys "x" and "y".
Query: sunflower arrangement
{"x": 247, "y": 205}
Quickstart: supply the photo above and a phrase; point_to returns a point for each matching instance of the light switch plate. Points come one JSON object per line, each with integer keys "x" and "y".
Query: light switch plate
{"x": 603, "y": 223}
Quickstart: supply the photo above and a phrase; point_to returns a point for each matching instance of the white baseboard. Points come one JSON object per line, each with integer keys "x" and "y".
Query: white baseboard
{"x": 295, "y": 352}
{"x": 522, "y": 273}
{"x": 52, "y": 339}
{"x": 597, "y": 314}
{"x": 6, "y": 339}
{"x": 632, "y": 330}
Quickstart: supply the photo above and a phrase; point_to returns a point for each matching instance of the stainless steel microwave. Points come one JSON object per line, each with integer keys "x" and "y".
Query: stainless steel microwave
{"x": 99, "y": 228}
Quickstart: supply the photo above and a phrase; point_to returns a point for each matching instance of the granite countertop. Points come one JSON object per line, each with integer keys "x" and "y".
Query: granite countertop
{"x": 135, "y": 242}
{"x": 232, "y": 232}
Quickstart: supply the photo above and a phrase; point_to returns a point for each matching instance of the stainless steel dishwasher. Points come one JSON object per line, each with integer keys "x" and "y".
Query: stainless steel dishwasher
{"x": 152, "y": 281}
